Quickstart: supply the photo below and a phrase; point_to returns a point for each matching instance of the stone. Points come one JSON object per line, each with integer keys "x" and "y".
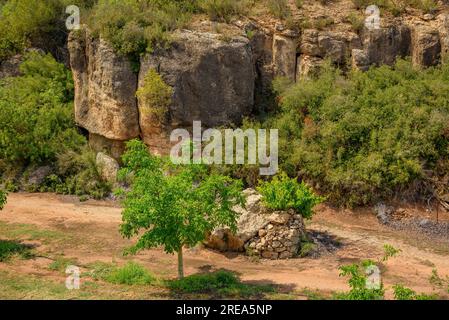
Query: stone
{"x": 279, "y": 218}
{"x": 276, "y": 244}
{"x": 114, "y": 148}
{"x": 308, "y": 66}
{"x": 105, "y": 88}
{"x": 213, "y": 82}
{"x": 384, "y": 45}
{"x": 383, "y": 213}
{"x": 426, "y": 46}
{"x": 262, "y": 232}
{"x": 270, "y": 255}
{"x": 284, "y": 56}
{"x": 333, "y": 45}
{"x": 360, "y": 60}
{"x": 285, "y": 255}
{"x": 38, "y": 175}
{"x": 224, "y": 240}
{"x": 108, "y": 167}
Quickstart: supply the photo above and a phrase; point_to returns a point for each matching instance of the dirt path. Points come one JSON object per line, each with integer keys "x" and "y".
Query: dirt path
{"x": 91, "y": 231}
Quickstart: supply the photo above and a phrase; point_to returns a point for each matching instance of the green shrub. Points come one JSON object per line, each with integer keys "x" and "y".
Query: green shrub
{"x": 357, "y": 22}
{"x": 133, "y": 27}
{"x": 283, "y": 193}
{"x": 130, "y": 274}
{"x": 367, "y": 136}
{"x": 224, "y": 10}
{"x": 156, "y": 95}
{"x": 358, "y": 283}
{"x": 404, "y": 293}
{"x": 11, "y": 248}
{"x": 37, "y": 128}
{"x": 220, "y": 282}
{"x": 78, "y": 174}
{"x": 279, "y": 8}
{"x": 36, "y": 122}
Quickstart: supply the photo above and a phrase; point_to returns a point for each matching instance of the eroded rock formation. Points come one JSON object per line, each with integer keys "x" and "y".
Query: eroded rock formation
{"x": 218, "y": 80}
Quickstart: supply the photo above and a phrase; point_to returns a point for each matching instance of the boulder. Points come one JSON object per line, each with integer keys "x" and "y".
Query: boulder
{"x": 334, "y": 45}
{"x": 114, "y": 148}
{"x": 37, "y": 176}
{"x": 426, "y": 46}
{"x": 105, "y": 87}
{"x": 360, "y": 60}
{"x": 108, "y": 167}
{"x": 284, "y": 56}
{"x": 384, "y": 45}
{"x": 213, "y": 82}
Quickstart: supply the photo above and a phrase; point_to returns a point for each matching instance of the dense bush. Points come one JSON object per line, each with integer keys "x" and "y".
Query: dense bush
{"x": 41, "y": 24}
{"x": 36, "y": 118}
{"x": 224, "y": 10}
{"x": 155, "y": 95}
{"x": 283, "y": 193}
{"x": 134, "y": 27}
{"x": 37, "y": 128}
{"x": 368, "y": 135}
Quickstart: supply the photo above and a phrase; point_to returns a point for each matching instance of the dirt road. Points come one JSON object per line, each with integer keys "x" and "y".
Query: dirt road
{"x": 89, "y": 233}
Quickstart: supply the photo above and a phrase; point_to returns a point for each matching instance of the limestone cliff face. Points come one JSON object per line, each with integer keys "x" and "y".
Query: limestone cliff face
{"x": 105, "y": 87}
{"x": 213, "y": 82}
{"x": 218, "y": 80}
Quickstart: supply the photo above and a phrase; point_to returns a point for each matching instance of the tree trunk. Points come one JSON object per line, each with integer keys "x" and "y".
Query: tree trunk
{"x": 180, "y": 264}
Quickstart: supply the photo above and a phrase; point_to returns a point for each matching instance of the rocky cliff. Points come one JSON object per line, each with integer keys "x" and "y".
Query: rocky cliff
{"x": 218, "y": 79}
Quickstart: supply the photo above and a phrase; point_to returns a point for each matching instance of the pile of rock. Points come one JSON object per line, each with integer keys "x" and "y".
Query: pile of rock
{"x": 260, "y": 232}
{"x": 280, "y": 239}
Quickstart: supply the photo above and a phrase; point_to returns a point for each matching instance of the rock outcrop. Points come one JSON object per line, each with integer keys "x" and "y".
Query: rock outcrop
{"x": 105, "y": 88}
{"x": 426, "y": 46}
{"x": 218, "y": 79}
{"x": 213, "y": 82}
{"x": 270, "y": 235}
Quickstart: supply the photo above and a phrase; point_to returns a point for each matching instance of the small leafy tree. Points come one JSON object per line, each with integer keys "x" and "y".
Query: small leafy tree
{"x": 283, "y": 193}
{"x": 2, "y": 199}
{"x": 358, "y": 283}
{"x": 174, "y": 206}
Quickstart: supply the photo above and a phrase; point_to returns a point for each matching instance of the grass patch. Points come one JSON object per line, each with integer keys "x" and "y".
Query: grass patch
{"x": 29, "y": 232}
{"x": 61, "y": 263}
{"x": 219, "y": 283}
{"x": 8, "y": 249}
{"x": 130, "y": 274}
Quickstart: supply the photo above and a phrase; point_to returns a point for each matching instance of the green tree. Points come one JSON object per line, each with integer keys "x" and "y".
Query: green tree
{"x": 174, "y": 206}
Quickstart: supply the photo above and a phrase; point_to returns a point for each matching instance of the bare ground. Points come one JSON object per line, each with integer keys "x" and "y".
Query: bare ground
{"x": 88, "y": 233}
